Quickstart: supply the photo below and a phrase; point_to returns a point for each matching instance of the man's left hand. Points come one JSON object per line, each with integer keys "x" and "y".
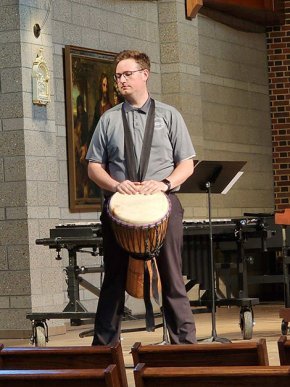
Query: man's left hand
{"x": 149, "y": 187}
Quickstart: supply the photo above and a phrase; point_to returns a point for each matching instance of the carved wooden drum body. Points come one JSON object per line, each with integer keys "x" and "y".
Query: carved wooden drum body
{"x": 139, "y": 223}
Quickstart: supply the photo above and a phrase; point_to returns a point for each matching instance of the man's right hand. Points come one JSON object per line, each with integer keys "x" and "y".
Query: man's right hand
{"x": 128, "y": 187}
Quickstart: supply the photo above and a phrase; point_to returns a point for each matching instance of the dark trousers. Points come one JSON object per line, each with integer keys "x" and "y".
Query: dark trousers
{"x": 176, "y": 307}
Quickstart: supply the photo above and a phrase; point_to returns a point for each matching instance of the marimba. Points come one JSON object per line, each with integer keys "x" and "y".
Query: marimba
{"x": 80, "y": 237}
{"x": 75, "y": 238}
{"x": 234, "y": 235}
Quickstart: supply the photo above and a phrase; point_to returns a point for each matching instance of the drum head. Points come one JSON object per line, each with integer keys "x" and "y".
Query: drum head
{"x": 139, "y": 209}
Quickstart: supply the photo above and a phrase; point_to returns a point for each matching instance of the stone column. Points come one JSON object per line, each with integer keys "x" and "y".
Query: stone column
{"x": 180, "y": 78}
{"x": 31, "y": 279}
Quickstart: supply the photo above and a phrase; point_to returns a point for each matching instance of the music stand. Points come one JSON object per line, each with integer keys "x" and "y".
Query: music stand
{"x": 213, "y": 177}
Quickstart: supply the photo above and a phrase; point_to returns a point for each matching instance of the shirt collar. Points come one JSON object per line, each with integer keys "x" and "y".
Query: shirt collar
{"x": 144, "y": 109}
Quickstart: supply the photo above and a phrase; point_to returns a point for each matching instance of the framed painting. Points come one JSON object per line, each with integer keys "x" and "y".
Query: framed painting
{"x": 90, "y": 90}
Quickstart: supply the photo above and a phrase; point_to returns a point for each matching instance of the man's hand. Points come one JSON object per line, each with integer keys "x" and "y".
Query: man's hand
{"x": 149, "y": 187}
{"x": 128, "y": 187}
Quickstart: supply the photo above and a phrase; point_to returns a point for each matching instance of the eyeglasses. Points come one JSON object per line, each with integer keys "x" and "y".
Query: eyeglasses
{"x": 125, "y": 74}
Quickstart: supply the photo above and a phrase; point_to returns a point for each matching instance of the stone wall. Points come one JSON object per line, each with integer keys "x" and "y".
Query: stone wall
{"x": 235, "y": 111}
{"x": 14, "y": 246}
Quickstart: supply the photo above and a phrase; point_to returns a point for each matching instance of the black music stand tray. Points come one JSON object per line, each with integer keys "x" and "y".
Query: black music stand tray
{"x": 213, "y": 177}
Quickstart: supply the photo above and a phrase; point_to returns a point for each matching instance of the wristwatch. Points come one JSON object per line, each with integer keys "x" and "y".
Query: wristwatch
{"x": 167, "y": 182}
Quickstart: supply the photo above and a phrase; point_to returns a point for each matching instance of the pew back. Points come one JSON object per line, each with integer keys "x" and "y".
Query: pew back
{"x": 266, "y": 376}
{"x": 284, "y": 350}
{"x": 61, "y": 378}
{"x": 72, "y": 357}
{"x": 214, "y": 354}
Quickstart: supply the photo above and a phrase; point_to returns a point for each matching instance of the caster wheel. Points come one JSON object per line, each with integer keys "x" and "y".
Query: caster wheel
{"x": 246, "y": 324}
{"x": 284, "y": 327}
{"x": 40, "y": 339}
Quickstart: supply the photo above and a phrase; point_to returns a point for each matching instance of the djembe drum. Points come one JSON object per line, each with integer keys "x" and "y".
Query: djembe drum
{"x": 139, "y": 223}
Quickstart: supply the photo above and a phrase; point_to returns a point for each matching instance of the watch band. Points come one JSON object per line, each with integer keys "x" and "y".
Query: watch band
{"x": 167, "y": 182}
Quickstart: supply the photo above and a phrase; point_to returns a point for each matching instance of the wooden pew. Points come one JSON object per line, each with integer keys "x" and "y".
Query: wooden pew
{"x": 266, "y": 376}
{"x": 215, "y": 354}
{"x": 52, "y": 358}
{"x": 61, "y": 378}
{"x": 284, "y": 350}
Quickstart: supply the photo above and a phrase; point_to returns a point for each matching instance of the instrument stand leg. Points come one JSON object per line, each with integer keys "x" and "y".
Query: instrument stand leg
{"x": 242, "y": 273}
{"x": 214, "y": 337}
{"x": 286, "y": 262}
{"x": 128, "y": 314}
{"x": 165, "y": 337}
{"x": 74, "y": 304}
{"x": 164, "y": 327}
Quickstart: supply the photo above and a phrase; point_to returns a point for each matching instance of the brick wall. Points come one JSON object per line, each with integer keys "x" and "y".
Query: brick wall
{"x": 278, "y": 45}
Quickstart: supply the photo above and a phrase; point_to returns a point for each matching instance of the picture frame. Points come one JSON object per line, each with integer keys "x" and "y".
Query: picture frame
{"x": 90, "y": 90}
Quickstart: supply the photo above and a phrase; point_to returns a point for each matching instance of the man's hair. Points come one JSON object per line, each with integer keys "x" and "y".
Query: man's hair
{"x": 140, "y": 57}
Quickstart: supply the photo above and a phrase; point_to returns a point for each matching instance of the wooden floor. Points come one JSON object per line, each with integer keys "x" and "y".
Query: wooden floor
{"x": 267, "y": 325}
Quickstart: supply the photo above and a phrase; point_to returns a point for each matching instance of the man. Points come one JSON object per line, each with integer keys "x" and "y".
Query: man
{"x": 170, "y": 164}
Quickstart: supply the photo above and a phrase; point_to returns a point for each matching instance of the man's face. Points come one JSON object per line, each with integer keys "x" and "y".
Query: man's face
{"x": 131, "y": 77}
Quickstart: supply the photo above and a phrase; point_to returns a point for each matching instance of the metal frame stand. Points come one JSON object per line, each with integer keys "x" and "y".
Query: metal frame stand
{"x": 214, "y": 336}
{"x": 217, "y": 177}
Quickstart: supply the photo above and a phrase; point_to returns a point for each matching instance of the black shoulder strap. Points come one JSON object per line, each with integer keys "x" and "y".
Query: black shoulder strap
{"x": 128, "y": 149}
{"x": 148, "y": 135}
{"x": 133, "y": 174}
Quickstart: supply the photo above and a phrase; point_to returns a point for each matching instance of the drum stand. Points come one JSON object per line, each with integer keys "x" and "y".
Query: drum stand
{"x": 213, "y": 177}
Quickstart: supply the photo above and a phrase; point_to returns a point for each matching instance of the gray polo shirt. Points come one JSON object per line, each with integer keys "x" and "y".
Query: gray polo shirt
{"x": 171, "y": 142}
